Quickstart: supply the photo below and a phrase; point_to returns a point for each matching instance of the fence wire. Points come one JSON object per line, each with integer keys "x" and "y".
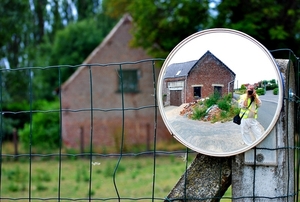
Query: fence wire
{"x": 96, "y": 173}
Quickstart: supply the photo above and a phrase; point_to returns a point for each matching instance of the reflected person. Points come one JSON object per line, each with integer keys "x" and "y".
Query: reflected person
{"x": 249, "y": 104}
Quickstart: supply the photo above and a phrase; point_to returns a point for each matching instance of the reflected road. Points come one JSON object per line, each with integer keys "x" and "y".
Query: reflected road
{"x": 216, "y": 137}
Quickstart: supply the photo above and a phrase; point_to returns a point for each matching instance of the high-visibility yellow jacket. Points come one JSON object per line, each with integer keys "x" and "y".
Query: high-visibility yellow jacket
{"x": 250, "y": 112}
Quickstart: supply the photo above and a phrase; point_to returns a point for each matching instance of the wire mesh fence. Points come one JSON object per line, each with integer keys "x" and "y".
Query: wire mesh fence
{"x": 100, "y": 138}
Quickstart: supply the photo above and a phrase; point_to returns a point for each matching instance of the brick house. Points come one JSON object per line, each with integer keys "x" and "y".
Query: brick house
{"x": 102, "y": 83}
{"x": 188, "y": 81}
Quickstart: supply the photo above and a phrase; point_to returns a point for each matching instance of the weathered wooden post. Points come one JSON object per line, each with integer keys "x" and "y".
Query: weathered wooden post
{"x": 206, "y": 179}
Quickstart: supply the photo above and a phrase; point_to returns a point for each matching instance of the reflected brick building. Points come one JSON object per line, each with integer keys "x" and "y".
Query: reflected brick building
{"x": 189, "y": 81}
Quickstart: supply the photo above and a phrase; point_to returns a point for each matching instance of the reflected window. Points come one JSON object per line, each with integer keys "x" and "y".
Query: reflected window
{"x": 218, "y": 90}
{"x": 197, "y": 92}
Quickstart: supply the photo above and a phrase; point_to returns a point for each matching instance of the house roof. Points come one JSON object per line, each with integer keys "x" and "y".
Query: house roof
{"x": 126, "y": 18}
{"x": 176, "y": 70}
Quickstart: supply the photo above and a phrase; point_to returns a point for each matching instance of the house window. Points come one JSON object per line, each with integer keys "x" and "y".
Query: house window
{"x": 130, "y": 81}
{"x": 197, "y": 92}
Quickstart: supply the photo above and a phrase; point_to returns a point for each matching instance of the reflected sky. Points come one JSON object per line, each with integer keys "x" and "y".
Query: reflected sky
{"x": 241, "y": 55}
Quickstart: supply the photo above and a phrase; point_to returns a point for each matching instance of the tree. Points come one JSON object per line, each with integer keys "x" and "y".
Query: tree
{"x": 70, "y": 46}
{"x": 243, "y": 87}
{"x": 116, "y": 9}
{"x": 274, "y": 23}
{"x": 87, "y": 9}
{"x": 39, "y": 18}
{"x": 44, "y": 127}
{"x": 160, "y": 25}
{"x": 24, "y": 29}
{"x": 14, "y": 23}
{"x": 42, "y": 33}
{"x": 30, "y": 36}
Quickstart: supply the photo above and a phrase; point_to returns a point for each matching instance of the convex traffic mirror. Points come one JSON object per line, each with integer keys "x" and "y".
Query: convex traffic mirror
{"x": 203, "y": 83}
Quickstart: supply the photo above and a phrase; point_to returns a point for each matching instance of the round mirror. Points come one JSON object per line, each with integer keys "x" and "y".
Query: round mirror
{"x": 207, "y": 79}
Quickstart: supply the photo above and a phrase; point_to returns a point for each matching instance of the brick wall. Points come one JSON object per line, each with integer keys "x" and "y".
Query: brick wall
{"x": 107, "y": 124}
{"x": 207, "y": 73}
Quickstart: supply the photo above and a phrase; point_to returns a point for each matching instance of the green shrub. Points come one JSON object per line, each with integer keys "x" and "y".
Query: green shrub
{"x": 275, "y": 91}
{"x": 260, "y": 91}
{"x": 212, "y": 100}
{"x": 41, "y": 187}
{"x": 17, "y": 174}
{"x": 43, "y": 175}
{"x": 224, "y": 114}
{"x": 82, "y": 174}
{"x": 17, "y": 120}
{"x": 243, "y": 87}
{"x": 198, "y": 113}
{"x": 228, "y": 97}
{"x": 13, "y": 187}
{"x": 91, "y": 193}
{"x": 43, "y": 132}
{"x": 271, "y": 86}
{"x": 234, "y": 110}
{"x": 224, "y": 105}
{"x": 134, "y": 174}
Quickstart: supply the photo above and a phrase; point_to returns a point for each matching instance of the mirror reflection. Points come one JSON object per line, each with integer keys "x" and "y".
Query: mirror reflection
{"x": 209, "y": 78}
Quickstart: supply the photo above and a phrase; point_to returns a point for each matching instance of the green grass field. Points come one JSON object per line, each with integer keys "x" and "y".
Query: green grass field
{"x": 70, "y": 179}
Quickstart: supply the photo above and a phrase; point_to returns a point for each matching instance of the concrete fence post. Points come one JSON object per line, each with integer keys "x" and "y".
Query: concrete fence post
{"x": 266, "y": 172}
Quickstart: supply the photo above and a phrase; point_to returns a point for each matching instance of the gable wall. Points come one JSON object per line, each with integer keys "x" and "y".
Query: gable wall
{"x": 207, "y": 72}
{"x": 107, "y": 124}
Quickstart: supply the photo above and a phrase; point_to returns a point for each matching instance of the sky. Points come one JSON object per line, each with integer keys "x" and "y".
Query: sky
{"x": 244, "y": 55}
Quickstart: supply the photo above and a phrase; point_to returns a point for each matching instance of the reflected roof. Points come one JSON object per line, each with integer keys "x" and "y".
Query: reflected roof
{"x": 182, "y": 69}
{"x": 179, "y": 69}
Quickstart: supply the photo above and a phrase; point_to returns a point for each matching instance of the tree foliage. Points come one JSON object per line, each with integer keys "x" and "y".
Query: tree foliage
{"x": 43, "y": 131}
{"x": 74, "y": 43}
{"x": 39, "y": 33}
{"x": 71, "y": 46}
{"x": 160, "y": 25}
{"x": 14, "y": 22}
{"x": 55, "y": 32}
{"x": 275, "y": 23}
{"x": 87, "y": 9}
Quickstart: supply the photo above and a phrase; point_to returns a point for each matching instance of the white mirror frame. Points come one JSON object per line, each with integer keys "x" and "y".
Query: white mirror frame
{"x": 234, "y": 45}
